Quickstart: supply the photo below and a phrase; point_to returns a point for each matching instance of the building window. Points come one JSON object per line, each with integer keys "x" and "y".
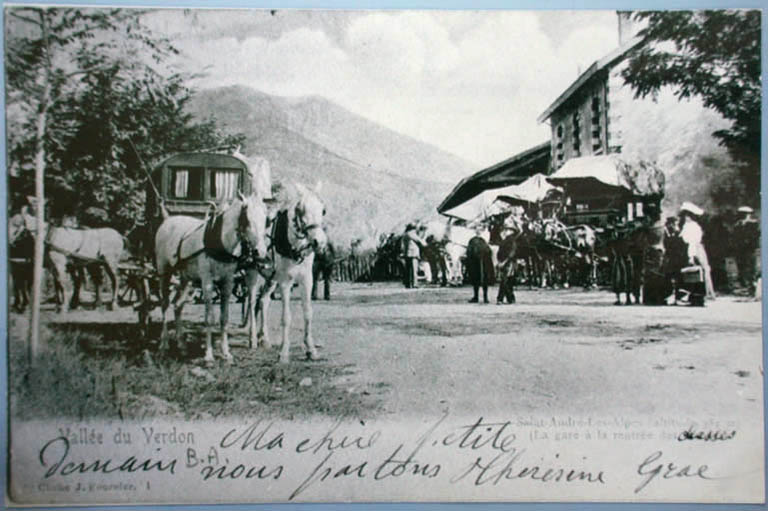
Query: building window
{"x": 224, "y": 184}
{"x": 187, "y": 183}
{"x": 576, "y": 134}
{"x": 559, "y": 156}
{"x": 597, "y": 145}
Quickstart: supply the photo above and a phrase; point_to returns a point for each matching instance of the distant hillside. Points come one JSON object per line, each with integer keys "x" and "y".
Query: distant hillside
{"x": 369, "y": 172}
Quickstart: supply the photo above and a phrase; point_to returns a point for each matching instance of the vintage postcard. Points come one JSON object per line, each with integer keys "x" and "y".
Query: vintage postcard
{"x": 273, "y": 255}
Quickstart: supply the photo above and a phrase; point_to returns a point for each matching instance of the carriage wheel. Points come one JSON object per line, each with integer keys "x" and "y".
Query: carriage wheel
{"x": 132, "y": 289}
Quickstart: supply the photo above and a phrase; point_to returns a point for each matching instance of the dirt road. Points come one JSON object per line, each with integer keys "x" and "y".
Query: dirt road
{"x": 425, "y": 351}
{"x": 552, "y": 352}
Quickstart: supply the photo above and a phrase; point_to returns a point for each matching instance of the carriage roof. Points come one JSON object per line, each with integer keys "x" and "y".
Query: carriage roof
{"x": 609, "y": 175}
{"x": 188, "y": 182}
{"x": 202, "y": 159}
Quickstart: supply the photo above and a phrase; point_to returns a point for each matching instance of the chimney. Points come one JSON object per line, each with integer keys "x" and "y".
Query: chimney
{"x": 627, "y": 30}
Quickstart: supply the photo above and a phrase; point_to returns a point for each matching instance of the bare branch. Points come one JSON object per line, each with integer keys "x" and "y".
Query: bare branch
{"x": 24, "y": 18}
{"x": 87, "y": 70}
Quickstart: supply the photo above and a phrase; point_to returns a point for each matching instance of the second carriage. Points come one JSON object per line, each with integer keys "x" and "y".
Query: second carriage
{"x": 192, "y": 184}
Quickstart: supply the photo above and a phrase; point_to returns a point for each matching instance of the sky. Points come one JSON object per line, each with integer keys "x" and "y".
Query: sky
{"x": 469, "y": 82}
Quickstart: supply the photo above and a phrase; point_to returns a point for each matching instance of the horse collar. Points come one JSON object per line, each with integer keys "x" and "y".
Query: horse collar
{"x": 281, "y": 240}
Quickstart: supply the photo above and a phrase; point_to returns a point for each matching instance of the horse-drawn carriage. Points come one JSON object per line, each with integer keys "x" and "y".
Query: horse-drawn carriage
{"x": 193, "y": 184}
{"x": 621, "y": 203}
{"x": 205, "y": 223}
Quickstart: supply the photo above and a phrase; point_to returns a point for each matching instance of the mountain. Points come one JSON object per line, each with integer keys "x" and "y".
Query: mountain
{"x": 374, "y": 179}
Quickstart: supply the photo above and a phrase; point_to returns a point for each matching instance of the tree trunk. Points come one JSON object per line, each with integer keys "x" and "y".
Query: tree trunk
{"x": 34, "y": 344}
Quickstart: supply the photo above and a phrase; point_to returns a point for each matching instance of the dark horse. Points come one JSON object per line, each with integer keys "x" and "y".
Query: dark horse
{"x": 479, "y": 264}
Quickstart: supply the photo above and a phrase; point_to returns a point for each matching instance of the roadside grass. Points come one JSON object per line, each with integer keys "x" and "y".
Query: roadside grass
{"x": 100, "y": 373}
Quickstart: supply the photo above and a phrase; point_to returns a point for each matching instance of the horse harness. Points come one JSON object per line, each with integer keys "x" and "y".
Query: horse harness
{"x": 213, "y": 246}
{"x": 280, "y": 240}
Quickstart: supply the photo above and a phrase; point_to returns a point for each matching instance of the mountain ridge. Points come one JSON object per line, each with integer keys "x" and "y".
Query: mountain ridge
{"x": 375, "y": 180}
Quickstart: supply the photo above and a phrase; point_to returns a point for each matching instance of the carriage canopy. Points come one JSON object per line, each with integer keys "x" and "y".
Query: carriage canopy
{"x": 532, "y": 190}
{"x": 610, "y": 174}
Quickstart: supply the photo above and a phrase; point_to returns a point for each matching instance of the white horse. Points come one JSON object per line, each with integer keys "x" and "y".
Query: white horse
{"x": 79, "y": 247}
{"x": 208, "y": 253}
{"x": 297, "y": 232}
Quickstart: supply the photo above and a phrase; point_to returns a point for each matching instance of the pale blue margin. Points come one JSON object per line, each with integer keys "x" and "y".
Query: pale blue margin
{"x": 396, "y": 4}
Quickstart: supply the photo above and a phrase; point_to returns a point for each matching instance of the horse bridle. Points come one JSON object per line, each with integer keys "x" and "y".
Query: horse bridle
{"x": 248, "y": 257}
{"x": 301, "y": 226}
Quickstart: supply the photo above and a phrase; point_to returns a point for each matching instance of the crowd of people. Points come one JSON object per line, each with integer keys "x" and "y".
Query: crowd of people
{"x": 670, "y": 260}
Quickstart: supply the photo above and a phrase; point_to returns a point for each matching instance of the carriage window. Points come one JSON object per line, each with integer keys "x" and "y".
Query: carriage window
{"x": 224, "y": 184}
{"x": 187, "y": 183}
{"x": 639, "y": 209}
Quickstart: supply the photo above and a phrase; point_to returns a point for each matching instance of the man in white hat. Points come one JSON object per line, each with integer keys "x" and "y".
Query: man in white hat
{"x": 692, "y": 234}
{"x": 746, "y": 235}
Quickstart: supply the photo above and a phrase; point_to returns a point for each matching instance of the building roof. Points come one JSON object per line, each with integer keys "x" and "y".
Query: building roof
{"x": 605, "y": 62}
{"x": 511, "y": 171}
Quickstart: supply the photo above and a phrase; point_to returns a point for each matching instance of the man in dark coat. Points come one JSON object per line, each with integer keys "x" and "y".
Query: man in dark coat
{"x": 479, "y": 267}
{"x": 506, "y": 258}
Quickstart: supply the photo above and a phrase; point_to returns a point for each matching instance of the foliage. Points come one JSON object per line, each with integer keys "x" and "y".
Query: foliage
{"x": 113, "y": 90}
{"x": 712, "y": 54}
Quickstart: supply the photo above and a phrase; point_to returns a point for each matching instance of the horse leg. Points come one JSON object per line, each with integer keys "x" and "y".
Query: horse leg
{"x": 165, "y": 294}
{"x": 207, "y": 284}
{"x": 111, "y": 270}
{"x": 94, "y": 271}
{"x": 59, "y": 263}
{"x": 77, "y": 276}
{"x": 254, "y": 303}
{"x": 183, "y": 295}
{"x": 315, "y": 278}
{"x": 266, "y": 299}
{"x": 226, "y": 293}
{"x": 285, "y": 290}
{"x": 306, "y": 304}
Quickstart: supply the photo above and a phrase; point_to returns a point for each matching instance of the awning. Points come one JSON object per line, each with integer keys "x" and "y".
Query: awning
{"x": 637, "y": 178}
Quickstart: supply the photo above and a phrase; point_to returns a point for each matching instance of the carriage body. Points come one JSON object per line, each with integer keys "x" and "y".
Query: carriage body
{"x": 183, "y": 184}
{"x": 189, "y": 182}
{"x": 604, "y": 191}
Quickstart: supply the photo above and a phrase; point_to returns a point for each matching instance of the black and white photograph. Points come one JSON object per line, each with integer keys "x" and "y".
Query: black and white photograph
{"x": 325, "y": 255}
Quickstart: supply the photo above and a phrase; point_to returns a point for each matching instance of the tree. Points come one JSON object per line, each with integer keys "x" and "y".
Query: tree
{"x": 714, "y": 55}
{"x": 84, "y": 86}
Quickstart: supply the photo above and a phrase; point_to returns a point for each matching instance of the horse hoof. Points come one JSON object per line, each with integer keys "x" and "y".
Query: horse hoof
{"x": 312, "y": 355}
{"x": 208, "y": 362}
{"x": 284, "y": 360}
